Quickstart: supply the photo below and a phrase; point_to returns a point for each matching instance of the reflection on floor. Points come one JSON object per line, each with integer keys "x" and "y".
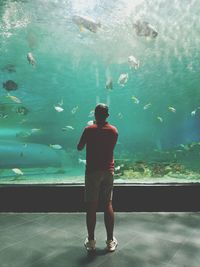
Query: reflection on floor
{"x": 56, "y": 239}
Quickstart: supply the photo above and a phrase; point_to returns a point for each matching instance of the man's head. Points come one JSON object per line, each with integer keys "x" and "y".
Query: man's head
{"x": 101, "y": 112}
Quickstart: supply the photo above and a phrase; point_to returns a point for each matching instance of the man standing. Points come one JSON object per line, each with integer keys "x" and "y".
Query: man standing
{"x": 100, "y": 139}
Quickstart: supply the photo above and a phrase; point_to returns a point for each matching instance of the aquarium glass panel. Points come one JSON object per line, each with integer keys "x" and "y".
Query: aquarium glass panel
{"x": 59, "y": 58}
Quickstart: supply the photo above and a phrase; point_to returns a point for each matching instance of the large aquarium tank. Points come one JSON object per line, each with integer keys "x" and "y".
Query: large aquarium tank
{"x": 59, "y": 58}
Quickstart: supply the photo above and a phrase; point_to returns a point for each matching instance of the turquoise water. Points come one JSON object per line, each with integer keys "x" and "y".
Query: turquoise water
{"x": 156, "y": 144}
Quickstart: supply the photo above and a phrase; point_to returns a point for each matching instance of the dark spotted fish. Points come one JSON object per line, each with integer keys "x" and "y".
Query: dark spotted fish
{"x": 10, "y": 85}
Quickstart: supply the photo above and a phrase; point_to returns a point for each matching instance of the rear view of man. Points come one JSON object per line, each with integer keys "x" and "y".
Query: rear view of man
{"x": 100, "y": 140}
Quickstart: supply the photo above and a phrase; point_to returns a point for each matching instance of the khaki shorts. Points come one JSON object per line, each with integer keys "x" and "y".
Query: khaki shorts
{"x": 99, "y": 184}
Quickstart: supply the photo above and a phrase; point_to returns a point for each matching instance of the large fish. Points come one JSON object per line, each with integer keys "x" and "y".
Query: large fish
{"x": 10, "y": 85}
{"x": 143, "y": 28}
{"x": 86, "y": 22}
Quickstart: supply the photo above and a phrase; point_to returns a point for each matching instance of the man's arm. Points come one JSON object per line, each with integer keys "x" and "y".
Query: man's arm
{"x": 82, "y": 141}
{"x": 115, "y": 138}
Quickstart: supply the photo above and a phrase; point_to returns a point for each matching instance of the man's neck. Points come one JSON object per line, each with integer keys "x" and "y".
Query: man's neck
{"x": 100, "y": 122}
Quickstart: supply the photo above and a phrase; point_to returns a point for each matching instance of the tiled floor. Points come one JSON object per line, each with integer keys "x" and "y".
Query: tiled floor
{"x": 56, "y": 240}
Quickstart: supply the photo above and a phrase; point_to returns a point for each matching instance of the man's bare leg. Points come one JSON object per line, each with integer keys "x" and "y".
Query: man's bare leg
{"x": 109, "y": 219}
{"x": 91, "y": 218}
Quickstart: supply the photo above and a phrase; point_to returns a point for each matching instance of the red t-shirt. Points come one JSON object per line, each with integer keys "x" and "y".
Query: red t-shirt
{"x": 100, "y": 141}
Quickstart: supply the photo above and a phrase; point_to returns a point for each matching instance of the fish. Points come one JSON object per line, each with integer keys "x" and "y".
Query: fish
{"x": 86, "y": 22}
{"x": 67, "y": 127}
{"x": 144, "y": 28}
{"x": 109, "y": 83}
{"x": 58, "y": 109}
{"x": 120, "y": 115}
{"x": 133, "y": 62}
{"x": 185, "y": 147}
{"x": 193, "y": 113}
{"x": 74, "y": 110}
{"x": 56, "y": 146}
{"x": 35, "y": 130}
{"x": 90, "y": 123}
{"x": 117, "y": 168}
{"x": 3, "y": 115}
{"x": 82, "y": 161}
{"x": 123, "y": 78}
{"x": 23, "y": 121}
{"x": 14, "y": 98}
{"x": 135, "y": 99}
{"x": 91, "y": 114}
{"x": 160, "y": 119}
{"x": 61, "y": 102}
{"x": 172, "y": 109}
{"x": 147, "y": 106}
{"x": 31, "y": 59}
{"x": 23, "y": 134}
{"x": 17, "y": 171}
{"x": 70, "y": 127}
{"x": 22, "y": 110}
{"x": 10, "y": 85}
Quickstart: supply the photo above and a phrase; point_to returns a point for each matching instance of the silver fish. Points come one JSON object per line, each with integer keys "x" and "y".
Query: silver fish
{"x": 143, "y": 28}
{"x": 86, "y": 22}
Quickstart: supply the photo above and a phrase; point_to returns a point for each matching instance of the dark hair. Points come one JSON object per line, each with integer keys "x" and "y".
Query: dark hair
{"x": 101, "y": 111}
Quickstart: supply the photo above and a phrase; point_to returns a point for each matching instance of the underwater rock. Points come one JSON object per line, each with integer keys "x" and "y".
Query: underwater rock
{"x": 10, "y": 85}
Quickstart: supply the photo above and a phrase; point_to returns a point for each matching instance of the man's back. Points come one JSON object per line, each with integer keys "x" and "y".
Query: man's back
{"x": 100, "y": 140}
